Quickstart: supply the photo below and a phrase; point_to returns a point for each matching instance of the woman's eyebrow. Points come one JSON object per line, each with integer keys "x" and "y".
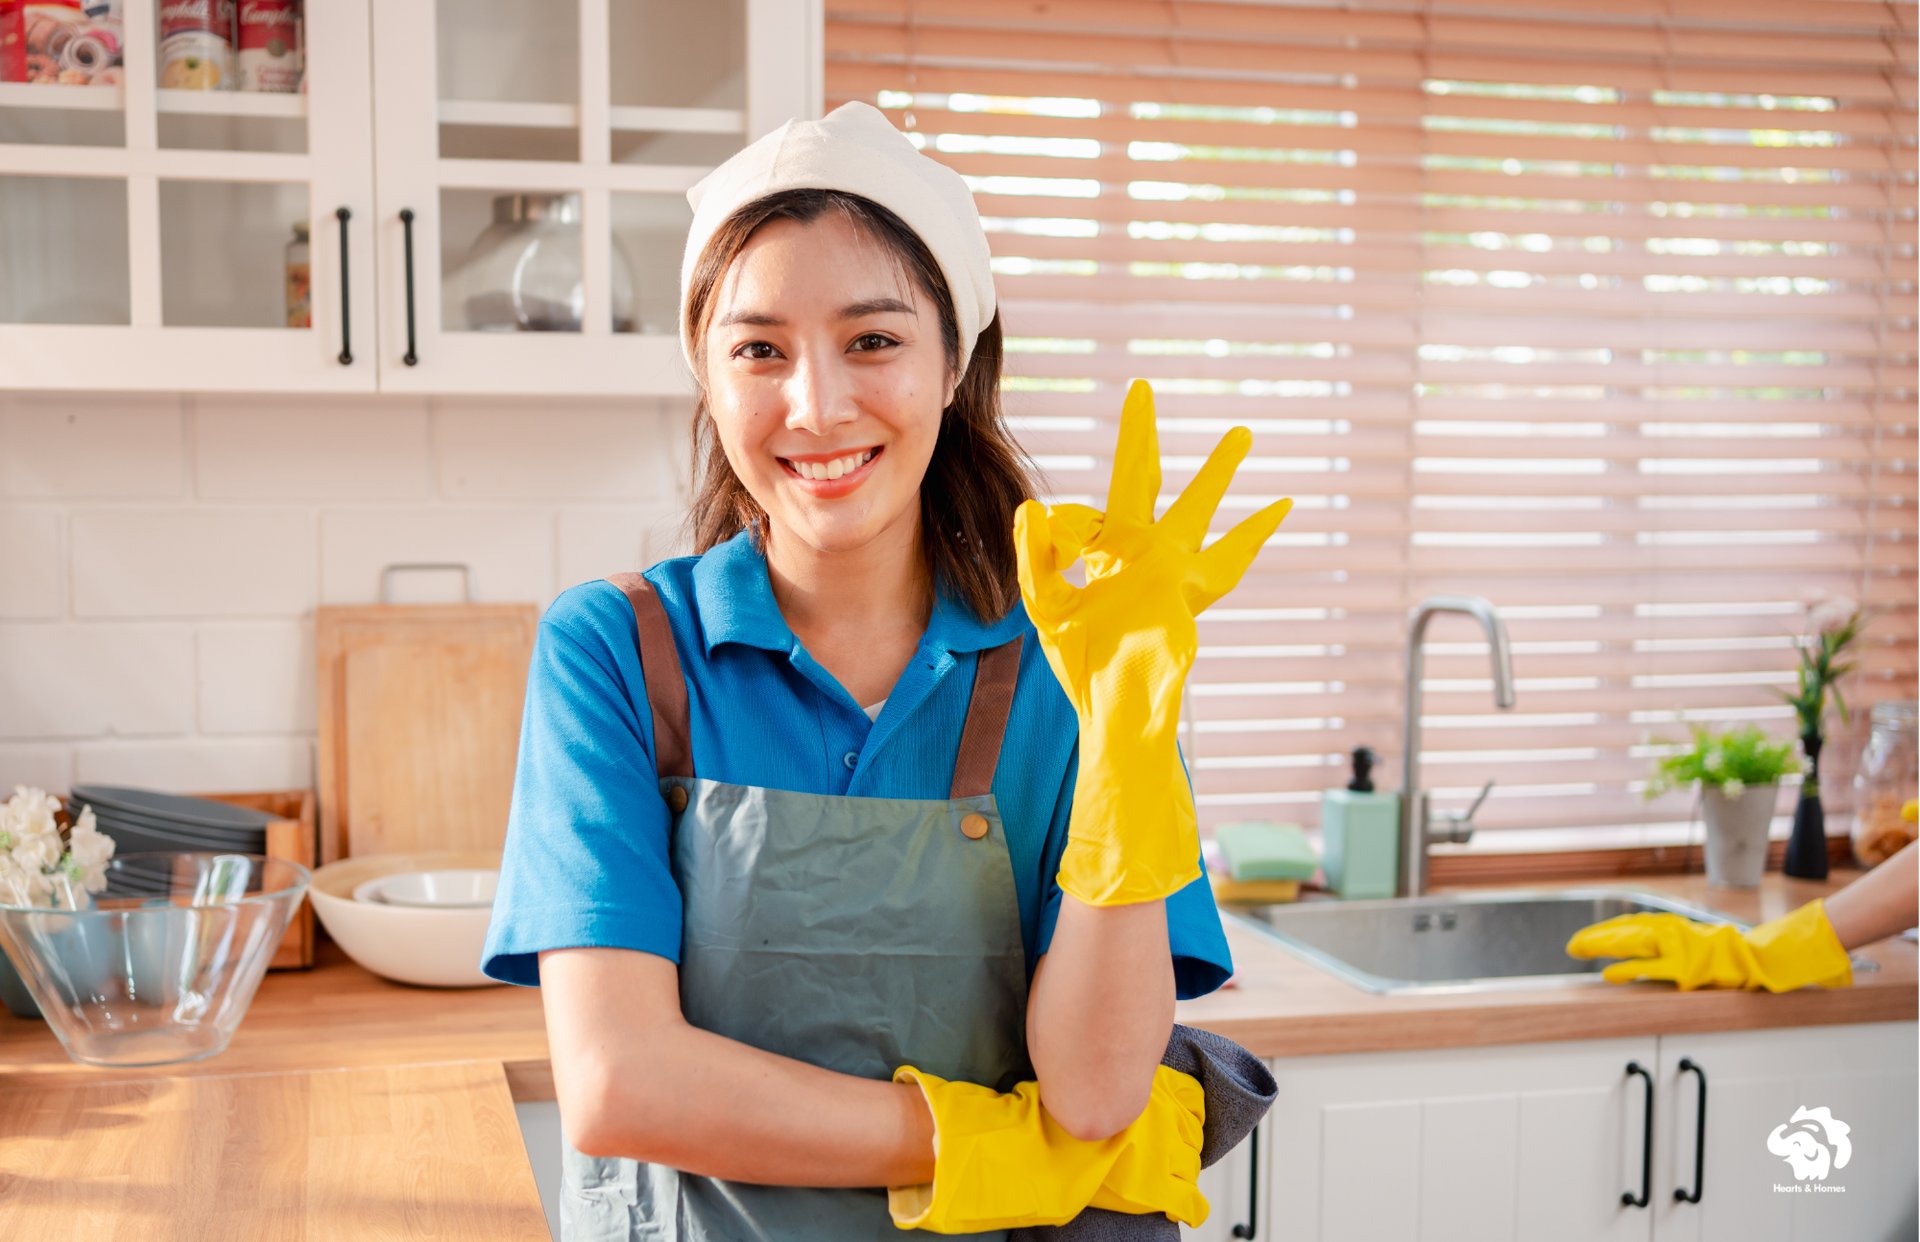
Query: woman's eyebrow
{"x": 852, "y": 310}
{"x": 875, "y": 306}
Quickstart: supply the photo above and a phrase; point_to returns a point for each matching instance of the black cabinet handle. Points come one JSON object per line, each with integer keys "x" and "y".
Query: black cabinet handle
{"x": 1699, "y": 1138}
{"x": 1646, "y": 1145}
{"x": 346, "y": 299}
{"x": 412, "y": 356}
{"x": 1252, "y": 1224}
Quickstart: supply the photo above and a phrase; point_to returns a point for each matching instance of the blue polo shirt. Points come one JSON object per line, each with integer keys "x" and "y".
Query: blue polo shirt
{"x": 587, "y": 861}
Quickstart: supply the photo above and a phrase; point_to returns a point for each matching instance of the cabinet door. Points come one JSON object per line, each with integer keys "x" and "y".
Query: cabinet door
{"x": 1235, "y": 1187}
{"x": 1501, "y": 1144}
{"x": 533, "y": 163}
{"x": 1773, "y": 1166}
{"x": 148, "y": 215}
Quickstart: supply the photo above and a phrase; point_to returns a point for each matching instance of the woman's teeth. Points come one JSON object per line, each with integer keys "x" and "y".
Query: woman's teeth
{"x": 823, "y": 470}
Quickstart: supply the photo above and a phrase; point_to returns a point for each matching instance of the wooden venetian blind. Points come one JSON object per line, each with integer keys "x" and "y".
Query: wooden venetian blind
{"x": 1602, "y": 309}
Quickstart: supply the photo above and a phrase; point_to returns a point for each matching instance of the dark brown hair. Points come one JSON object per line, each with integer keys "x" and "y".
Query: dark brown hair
{"x": 978, "y": 475}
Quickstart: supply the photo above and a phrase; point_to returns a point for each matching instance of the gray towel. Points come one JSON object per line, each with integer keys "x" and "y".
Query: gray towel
{"x": 1239, "y": 1091}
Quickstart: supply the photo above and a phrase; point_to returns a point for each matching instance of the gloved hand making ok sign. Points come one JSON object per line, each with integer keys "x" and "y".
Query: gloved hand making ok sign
{"x": 1122, "y": 646}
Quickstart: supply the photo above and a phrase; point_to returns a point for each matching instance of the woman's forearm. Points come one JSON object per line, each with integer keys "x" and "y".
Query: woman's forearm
{"x": 708, "y": 1105}
{"x": 1099, "y": 1014}
{"x": 1878, "y": 904}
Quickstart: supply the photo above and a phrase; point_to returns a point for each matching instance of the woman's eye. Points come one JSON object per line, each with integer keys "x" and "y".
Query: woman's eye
{"x": 750, "y": 352}
{"x": 870, "y": 341}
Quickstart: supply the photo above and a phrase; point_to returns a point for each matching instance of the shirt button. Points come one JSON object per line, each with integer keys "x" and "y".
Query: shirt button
{"x": 973, "y": 825}
{"x": 851, "y": 759}
{"x": 677, "y": 799}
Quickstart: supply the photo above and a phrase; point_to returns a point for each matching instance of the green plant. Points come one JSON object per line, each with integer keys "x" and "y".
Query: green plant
{"x": 1730, "y": 762}
{"x": 1834, "y": 625}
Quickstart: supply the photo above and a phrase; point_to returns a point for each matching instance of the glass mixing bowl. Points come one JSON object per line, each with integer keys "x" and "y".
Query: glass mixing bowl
{"x": 160, "y": 966}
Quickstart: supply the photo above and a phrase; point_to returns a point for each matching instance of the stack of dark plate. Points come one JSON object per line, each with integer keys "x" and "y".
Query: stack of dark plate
{"x": 144, "y": 821}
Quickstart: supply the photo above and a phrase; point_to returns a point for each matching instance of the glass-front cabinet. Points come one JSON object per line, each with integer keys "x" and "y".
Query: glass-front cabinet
{"x": 437, "y": 196}
{"x": 186, "y": 202}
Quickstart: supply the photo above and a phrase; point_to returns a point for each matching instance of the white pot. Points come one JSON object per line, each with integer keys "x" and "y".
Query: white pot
{"x": 1737, "y": 834}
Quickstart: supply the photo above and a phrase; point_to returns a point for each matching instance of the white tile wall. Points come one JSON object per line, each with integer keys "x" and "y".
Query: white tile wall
{"x": 160, "y": 557}
{"x": 32, "y": 563}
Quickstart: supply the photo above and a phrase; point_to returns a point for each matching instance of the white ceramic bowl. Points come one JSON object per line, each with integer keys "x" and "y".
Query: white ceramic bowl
{"x": 452, "y": 888}
{"x": 410, "y": 944}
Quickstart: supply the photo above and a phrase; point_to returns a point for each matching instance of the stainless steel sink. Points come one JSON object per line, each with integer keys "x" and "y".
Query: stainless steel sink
{"x": 1476, "y": 942}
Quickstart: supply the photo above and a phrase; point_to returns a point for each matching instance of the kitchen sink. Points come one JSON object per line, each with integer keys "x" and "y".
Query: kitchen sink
{"x": 1469, "y": 942}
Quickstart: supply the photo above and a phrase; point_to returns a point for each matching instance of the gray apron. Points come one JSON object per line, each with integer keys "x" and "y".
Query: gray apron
{"x": 856, "y": 934}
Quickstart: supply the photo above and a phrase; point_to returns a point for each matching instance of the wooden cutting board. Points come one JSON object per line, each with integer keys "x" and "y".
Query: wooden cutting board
{"x": 419, "y": 715}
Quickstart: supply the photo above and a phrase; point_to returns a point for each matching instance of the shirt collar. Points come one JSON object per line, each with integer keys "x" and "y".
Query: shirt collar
{"x": 735, "y": 598}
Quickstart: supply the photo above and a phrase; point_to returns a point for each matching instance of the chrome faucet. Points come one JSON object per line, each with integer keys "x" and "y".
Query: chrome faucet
{"x": 1416, "y": 822}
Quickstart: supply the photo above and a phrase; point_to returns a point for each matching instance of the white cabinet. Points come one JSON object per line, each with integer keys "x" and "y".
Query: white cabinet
{"x": 145, "y": 229}
{"x": 1236, "y": 1195}
{"x": 1863, "y": 1077}
{"x": 1501, "y": 1144}
{"x": 497, "y": 105}
{"x": 1534, "y": 1141}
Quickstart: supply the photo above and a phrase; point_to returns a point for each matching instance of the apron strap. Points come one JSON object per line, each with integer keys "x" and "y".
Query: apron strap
{"x": 993, "y": 679}
{"x": 666, "y": 687}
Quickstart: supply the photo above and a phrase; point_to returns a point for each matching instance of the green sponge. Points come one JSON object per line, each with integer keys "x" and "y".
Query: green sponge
{"x": 1257, "y": 850}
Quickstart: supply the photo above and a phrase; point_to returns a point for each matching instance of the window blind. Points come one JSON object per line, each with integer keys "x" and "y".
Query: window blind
{"x": 1601, "y": 309}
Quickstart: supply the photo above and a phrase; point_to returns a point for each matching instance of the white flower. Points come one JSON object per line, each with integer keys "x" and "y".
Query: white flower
{"x": 37, "y": 852}
{"x": 34, "y": 810}
{"x": 1734, "y": 787}
{"x": 13, "y": 882}
{"x": 32, "y": 855}
{"x": 88, "y": 852}
{"x": 1829, "y": 614}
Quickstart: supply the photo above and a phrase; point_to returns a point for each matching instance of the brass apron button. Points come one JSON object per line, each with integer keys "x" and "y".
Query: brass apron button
{"x": 973, "y": 825}
{"x": 677, "y": 799}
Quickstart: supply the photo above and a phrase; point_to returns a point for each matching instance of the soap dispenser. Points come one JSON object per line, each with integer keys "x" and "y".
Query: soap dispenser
{"x": 1360, "y": 834}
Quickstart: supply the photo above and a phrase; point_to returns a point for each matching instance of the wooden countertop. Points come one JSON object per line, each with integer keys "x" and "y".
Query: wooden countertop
{"x": 417, "y": 1151}
{"x": 346, "y": 1099}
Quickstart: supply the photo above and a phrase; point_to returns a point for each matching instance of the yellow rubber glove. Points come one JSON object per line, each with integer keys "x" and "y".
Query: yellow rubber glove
{"x": 1790, "y": 952}
{"x": 1122, "y": 645}
{"x": 1000, "y": 1161}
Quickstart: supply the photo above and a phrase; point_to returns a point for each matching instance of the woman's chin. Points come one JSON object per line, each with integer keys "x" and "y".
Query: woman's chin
{"x": 831, "y": 534}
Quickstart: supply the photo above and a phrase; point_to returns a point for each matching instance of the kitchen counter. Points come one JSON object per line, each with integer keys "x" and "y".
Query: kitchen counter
{"x": 346, "y": 1099}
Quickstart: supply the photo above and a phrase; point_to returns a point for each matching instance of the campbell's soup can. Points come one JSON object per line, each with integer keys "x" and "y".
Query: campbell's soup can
{"x": 269, "y": 41}
{"x": 196, "y": 45}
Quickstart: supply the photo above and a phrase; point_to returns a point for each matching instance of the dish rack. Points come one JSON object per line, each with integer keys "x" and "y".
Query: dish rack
{"x": 292, "y": 835}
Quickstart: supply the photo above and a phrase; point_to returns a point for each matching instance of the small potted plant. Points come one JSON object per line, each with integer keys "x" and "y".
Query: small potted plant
{"x": 1833, "y": 625}
{"x": 1738, "y": 773}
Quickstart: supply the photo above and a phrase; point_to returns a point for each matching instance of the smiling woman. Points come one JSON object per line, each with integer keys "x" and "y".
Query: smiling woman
{"x": 808, "y": 967}
{"x": 894, "y": 345}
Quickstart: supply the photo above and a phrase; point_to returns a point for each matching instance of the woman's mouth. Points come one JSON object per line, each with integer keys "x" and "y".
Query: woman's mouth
{"x": 833, "y": 476}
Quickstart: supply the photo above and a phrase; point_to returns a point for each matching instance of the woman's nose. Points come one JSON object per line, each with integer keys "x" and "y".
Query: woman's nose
{"x": 820, "y": 396}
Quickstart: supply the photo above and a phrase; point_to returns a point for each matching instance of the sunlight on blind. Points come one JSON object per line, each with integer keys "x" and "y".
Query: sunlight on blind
{"x": 1606, "y": 318}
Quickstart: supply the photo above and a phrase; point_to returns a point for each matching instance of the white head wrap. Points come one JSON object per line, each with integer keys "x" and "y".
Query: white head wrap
{"x": 856, "y": 149}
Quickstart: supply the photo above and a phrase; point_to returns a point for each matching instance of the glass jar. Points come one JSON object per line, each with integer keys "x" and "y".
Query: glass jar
{"x": 523, "y": 272}
{"x": 299, "y": 278}
{"x": 1885, "y": 786}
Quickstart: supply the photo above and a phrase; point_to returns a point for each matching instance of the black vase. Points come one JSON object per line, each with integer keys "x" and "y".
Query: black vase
{"x": 1807, "y": 848}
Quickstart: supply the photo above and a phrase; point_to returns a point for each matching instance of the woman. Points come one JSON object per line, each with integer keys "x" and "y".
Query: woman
{"x": 784, "y": 864}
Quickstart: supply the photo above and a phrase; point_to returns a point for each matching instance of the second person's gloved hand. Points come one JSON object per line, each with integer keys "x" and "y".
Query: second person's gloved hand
{"x": 1121, "y": 648}
{"x": 1790, "y": 952}
{"x": 1000, "y": 1161}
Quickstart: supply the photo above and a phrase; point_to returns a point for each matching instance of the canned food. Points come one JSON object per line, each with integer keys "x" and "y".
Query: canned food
{"x": 268, "y": 40}
{"x": 196, "y": 45}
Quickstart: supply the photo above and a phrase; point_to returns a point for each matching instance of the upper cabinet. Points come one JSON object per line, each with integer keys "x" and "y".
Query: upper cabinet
{"x": 456, "y": 196}
{"x": 148, "y": 208}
